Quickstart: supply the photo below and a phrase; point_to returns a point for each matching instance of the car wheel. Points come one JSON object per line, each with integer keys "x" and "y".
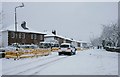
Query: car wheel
{"x": 71, "y": 53}
{"x": 59, "y": 53}
{"x": 3, "y": 55}
{"x": 75, "y": 53}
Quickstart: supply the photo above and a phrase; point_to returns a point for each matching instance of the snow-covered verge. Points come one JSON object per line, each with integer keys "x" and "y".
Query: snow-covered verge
{"x": 87, "y": 62}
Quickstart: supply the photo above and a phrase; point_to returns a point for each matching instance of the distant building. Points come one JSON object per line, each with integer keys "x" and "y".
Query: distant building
{"x": 50, "y": 37}
{"x": 80, "y": 44}
{"x": 23, "y": 36}
{"x": 54, "y": 38}
{"x": 75, "y": 43}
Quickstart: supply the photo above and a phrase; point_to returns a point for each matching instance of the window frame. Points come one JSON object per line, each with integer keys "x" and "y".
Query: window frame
{"x": 32, "y": 36}
{"x": 35, "y": 36}
{"x": 12, "y": 34}
{"x": 23, "y": 35}
{"x": 20, "y": 35}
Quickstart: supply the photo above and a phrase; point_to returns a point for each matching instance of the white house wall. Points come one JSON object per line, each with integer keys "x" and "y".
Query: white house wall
{"x": 84, "y": 45}
{"x": 48, "y": 39}
{"x": 5, "y": 38}
{"x": 74, "y": 43}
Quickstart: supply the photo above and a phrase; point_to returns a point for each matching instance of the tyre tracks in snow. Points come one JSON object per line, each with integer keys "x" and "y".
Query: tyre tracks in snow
{"x": 31, "y": 66}
{"x": 39, "y": 67}
{"x": 8, "y": 70}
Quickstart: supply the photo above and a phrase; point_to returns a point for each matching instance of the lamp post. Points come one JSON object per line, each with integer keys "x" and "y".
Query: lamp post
{"x": 16, "y": 21}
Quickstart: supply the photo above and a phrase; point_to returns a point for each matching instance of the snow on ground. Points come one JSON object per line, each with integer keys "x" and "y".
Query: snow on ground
{"x": 0, "y": 67}
{"x": 87, "y": 62}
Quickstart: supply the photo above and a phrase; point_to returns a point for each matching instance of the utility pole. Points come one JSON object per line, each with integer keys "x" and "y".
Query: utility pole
{"x": 16, "y": 21}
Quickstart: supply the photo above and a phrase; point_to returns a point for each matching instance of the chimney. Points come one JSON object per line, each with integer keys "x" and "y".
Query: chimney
{"x": 23, "y": 25}
{"x": 54, "y": 32}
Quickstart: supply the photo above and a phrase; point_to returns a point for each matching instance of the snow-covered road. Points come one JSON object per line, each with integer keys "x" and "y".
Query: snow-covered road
{"x": 87, "y": 62}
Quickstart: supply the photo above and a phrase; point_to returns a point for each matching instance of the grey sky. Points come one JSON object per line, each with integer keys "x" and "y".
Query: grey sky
{"x": 77, "y": 20}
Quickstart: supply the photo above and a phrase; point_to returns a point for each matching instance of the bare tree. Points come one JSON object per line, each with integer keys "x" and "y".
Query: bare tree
{"x": 0, "y": 18}
{"x": 109, "y": 35}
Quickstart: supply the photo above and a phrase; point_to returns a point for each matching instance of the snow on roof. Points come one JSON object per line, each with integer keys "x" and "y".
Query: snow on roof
{"x": 49, "y": 34}
{"x": 20, "y": 29}
{"x": 68, "y": 39}
{"x": 74, "y": 40}
{"x": 45, "y": 42}
{"x": 82, "y": 41}
{"x": 65, "y": 44}
{"x": 52, "y": 35}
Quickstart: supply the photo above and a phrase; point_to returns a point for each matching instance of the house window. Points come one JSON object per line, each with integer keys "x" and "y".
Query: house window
{"x": 32, "y": 36}
{"x": 41, "y": 37}
{"x": 23, "y": 35}
{"x": 12, "y": 35}
{"x": 20, "y": 35}
{"x": 35, "y": 36}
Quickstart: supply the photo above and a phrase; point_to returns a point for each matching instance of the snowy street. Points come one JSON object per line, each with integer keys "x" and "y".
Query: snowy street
{"x": 87, "y": 62}
{"x": 34, "y": 36}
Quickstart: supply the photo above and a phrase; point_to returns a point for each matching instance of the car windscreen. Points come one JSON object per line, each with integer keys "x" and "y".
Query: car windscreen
{"x": 45, "y": 45}
{"x": 64, "y": 46}
{"x": 55, "y": 45}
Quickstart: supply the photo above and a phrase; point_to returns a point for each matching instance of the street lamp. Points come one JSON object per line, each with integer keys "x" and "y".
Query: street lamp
{"x": 16, "y": 21}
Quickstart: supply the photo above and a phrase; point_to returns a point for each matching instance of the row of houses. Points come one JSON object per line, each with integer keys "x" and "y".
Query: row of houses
{"x": 60, "y": 39}
{"x": 8, "y": 36}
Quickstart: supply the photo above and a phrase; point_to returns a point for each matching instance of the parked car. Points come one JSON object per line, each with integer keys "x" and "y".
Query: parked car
{"x": 28, "y": 46}
{"x": 55, "y": 47}
{"x": 66, "y": 48}
{"x": 45, "y": 45}
{"x": 2, "y": 53}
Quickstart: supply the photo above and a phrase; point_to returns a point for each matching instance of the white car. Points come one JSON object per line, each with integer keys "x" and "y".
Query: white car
{"x": 67, "y": 48}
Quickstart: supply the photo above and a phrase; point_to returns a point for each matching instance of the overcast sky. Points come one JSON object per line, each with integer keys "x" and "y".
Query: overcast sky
{"x": 77, "y": 20}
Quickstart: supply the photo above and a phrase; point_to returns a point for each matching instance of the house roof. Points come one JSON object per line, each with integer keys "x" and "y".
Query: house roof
{"x": 68, "y": 39}
{"x": 49, "y": 34}
{"x": 52, "y": 35}
{"x": 82, "y": 41}
{"x": 65, "y": 44}
{"x": 20, "y": 29}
